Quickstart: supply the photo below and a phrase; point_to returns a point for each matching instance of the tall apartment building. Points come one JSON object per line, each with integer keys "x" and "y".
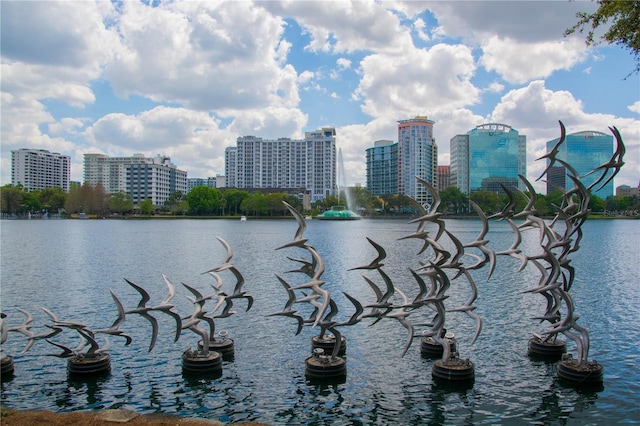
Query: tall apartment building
{"x": 584, "y": 151}
{"x": 39, "y": 169}
{"x": 285, "y": 163}
{"x": 490, "y": 154}
{"x": 417, "y": 156}
{"x": 141, "y": 177}
{"x": 382, "y": 167}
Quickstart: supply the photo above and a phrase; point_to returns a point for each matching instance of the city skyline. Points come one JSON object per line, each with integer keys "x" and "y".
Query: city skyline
{"x": 186, "y": 79}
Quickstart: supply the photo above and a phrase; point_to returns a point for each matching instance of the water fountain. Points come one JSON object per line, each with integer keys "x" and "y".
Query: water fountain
{"x": 340, "y": 212}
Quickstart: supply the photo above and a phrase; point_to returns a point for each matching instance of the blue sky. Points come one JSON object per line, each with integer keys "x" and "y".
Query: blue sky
{"x": 186, "y": 78}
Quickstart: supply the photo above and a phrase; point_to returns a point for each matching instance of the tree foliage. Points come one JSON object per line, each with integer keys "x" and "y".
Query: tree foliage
{"x": 121, "y": 203}
{"x": 204, "y": 201}
{"x": 88, "y": 199}
{"x": 623, "y": 31}
{"x": 147, "y": 208}
{"x": 490, "y": 202}
{"x": 234, "y": 198}
{"x": 453, "y": 201}
{"x": 11, "y": 199}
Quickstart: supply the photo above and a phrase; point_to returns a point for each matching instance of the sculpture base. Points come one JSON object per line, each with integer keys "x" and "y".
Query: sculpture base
{"x": 89, "y": 365}
{"x": 551, "y": 350}
{"x": 196, "y": 362}
{"x": 7, "y": 367}
{"x": 224, "y": 347}
{"x": 585, "y": 375}
{"x": 323, "y": 367}
{"x": 429, "y": 348}
{"x": 455, "y": 370}
{"x": 327, "y": 343}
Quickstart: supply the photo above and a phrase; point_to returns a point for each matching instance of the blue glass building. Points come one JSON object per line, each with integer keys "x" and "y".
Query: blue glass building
{"x": 382, "y": 168}
{"x": 584, "y": 151}
{"x": 486, "y": 156}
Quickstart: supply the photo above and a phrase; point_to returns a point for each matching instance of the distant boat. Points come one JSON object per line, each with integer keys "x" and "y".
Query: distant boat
{"x": 338, "y": 213}
{"x": 243, "y": 218}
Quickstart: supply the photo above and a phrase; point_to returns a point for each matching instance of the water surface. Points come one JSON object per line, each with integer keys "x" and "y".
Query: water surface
{"x": 69, "y": 266}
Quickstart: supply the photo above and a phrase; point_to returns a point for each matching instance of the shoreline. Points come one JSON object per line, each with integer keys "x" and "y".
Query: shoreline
{"x": 11, "y": 417}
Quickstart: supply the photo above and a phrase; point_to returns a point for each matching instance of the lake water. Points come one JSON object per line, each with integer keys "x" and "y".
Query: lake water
{"x": 69, "y": 266}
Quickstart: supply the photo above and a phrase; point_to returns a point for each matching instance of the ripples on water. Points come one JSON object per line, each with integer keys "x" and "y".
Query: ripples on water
{"x": 69, "y": 267}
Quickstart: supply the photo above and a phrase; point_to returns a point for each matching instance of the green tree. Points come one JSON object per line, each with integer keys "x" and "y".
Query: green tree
{"x": 453, "y": 201}
{"x": 596, "y": 204}
{"x": 274, "y": 203}
{"x": 554, "y": 201}
{"x": 52, "y": 199}
{"x": 31, "y": 202}
{"x": 490, "y": 202}
{"x": 234, "y": 198}
{"x": 175, "y": 198}
{"x": 147, "y": 208}
{"x": 182, "y": 208}
{"x": 542, "y": 206}
{"x": 11, "y": 199}
{"x": 204, "y": 200}
{"x": 623, "y": 31}
{"x": 328, "y": 201}
{"x": 618, "y": 203}
{"x": 121, "y": 203}
{"x": 256, "y": 204}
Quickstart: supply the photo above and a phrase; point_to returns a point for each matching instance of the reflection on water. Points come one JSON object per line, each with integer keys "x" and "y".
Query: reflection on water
{"x": 69, "y": 267}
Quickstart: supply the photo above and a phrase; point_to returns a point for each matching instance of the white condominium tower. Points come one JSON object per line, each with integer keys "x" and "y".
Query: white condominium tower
{"x": 142, "y": 178}
{"x": 285, "y": 163}
{"x": 39, "y": 169}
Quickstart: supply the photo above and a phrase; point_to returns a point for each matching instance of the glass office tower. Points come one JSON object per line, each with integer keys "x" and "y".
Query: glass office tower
{"x": 486, "y": 156}
{"x": 584, "y": 151}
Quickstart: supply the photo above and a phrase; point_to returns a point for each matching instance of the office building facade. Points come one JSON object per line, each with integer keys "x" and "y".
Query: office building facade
{"x": 444, "y": 177}
{"x": 584, "y": 151}
{"x": 417, "y": 156}
{"x": 209, "y": 182}
{"x": 141, "y": 177}
{"x": 285, "y": 163}
{"x": 627, "y": 191}
{"x": 382, "y": 168}
{"x": 37, "y": 169}
{"x": 486, "y": 156}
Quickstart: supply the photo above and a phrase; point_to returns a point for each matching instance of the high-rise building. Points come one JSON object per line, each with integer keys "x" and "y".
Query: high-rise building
{"x": 444, "y": 177}
{"x": 486, "y": 156}
{"x": 382, "y": 168}
{"x": 142, "y": 178}
{"x": 308, "y": 163}
{"x": 231, "y": 166}
{"x": 584, "y": 151}
{"x": 417, "y": 156}
{"x": 39, "y": 169}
